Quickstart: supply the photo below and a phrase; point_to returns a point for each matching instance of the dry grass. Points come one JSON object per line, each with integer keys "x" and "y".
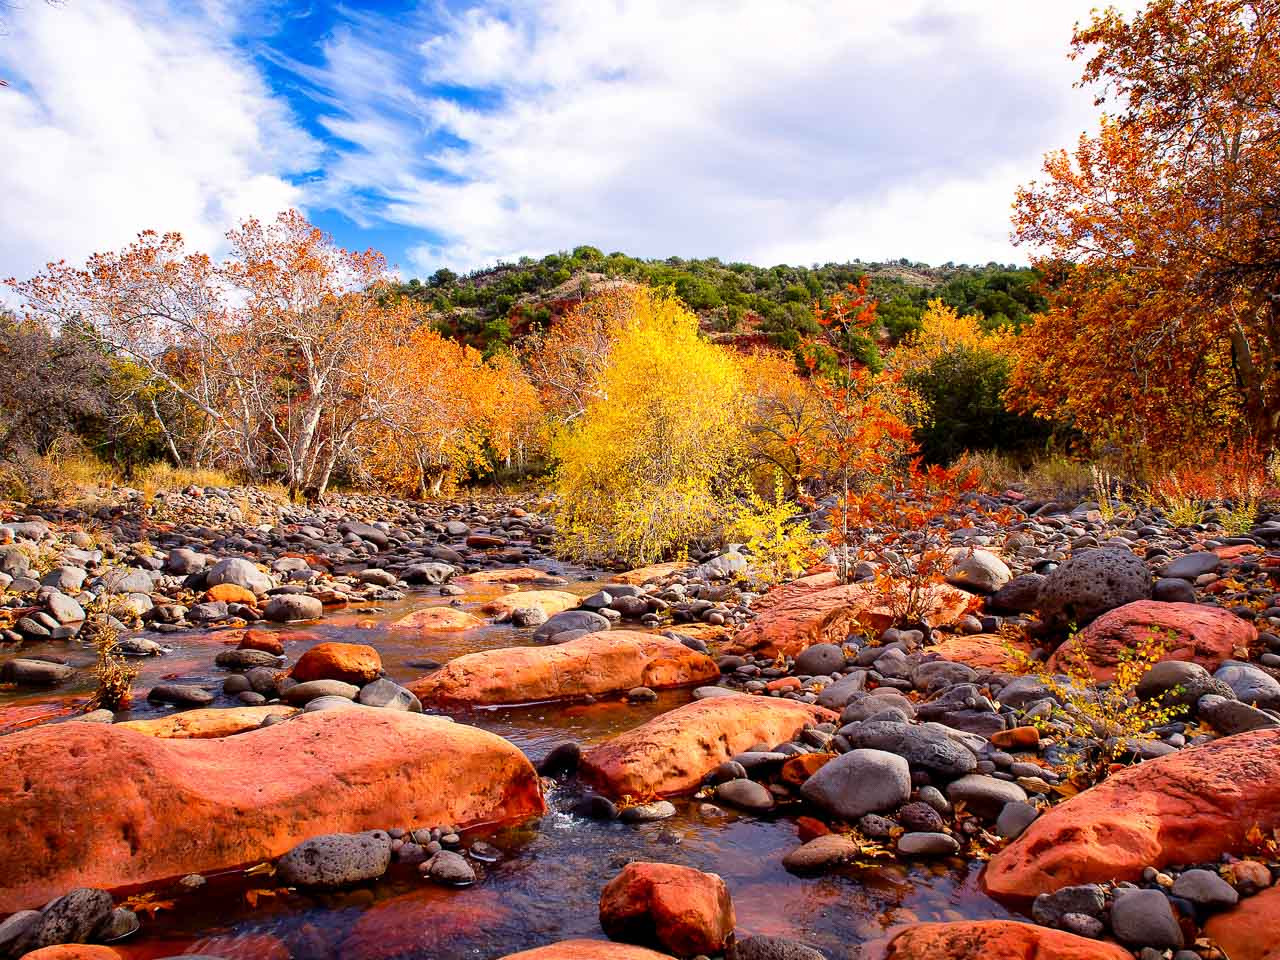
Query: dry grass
{"x": 165, "y": 476}
{"x": 115, "y": 675}
{"x": 1045, "y": 478}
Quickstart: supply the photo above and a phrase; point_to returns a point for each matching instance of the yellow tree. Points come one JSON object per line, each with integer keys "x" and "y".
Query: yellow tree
{"x": 644, "y": 471}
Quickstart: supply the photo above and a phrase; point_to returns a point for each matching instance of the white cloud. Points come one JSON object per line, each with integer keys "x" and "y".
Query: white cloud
{"x": 126, "y": 116}
{"x": 757, "y": 130}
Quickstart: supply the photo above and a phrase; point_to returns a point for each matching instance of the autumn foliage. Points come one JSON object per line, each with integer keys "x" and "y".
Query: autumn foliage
{"x": 1159, "y": 234}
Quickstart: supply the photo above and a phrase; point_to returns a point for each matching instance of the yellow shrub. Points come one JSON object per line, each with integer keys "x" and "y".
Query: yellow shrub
{"x": 641, "y": 473}
{"x": 779, "y": 539}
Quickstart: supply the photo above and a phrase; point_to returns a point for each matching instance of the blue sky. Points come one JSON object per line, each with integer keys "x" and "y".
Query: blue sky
{"x": 458, "y": 134}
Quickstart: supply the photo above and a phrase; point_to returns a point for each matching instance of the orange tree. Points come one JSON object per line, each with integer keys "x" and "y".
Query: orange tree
{"x": 1163, "y": 232}
{"x": 862, "y": 437}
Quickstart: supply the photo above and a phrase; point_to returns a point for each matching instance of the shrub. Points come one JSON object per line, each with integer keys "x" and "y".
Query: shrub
{"x": 640, "y": 474}
{"x": 776, "y": 534}
{"x": 1099, "y": 722}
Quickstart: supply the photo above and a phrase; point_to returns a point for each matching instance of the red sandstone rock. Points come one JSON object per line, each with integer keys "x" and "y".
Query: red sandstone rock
{"x": 549, "y": 602}
{"x": 611, "y": 661}
{"x": 679, "y": 909}
{"x": 1251, "y": 929}
{"x": 997, "y": 940}
{"x": 982, "y": 651}
{"x": 94, "y": 805}
{"x": 74, "y": 951}
{"x": 349, "y": 662}
{"x": 438, "y": 619}
{"x": 262, "y": 640}
{"x": 230, "y": 593}
{"x": 671, "y": 753}
{"x": 586, "y": 950}
{"x": 1192, "y": 631}
{"x": 506, "y": 575}
{"x": 423, "y": 923}
{"x": 1187, "y": 807}
{"x": 208, "y": 723}
{"x": 818, "y": 609}
{"x": 656, "y": 571}
{"x": 799, "y": 769}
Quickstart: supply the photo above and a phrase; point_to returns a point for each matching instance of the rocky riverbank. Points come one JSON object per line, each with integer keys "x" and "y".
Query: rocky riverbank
{"x": 937, "y": 746}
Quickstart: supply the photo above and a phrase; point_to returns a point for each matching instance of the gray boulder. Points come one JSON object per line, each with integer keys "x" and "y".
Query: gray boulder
{"x": 427, "y": 573}
{"x": 858, "y": 782}
{"x": 1250, "y": 684}
{"x": 1144, "y": 918}
{"x": 771, "y": 948}
{"x": 1019, "y": 595}
{"x": 924, "y": 749}
{"x": 65, "y": 578}
{"x": 35, "y": 673}
{"x": 287, "y": 607}
{"x": 302, "y": 693}
{"x": 983, "y": 795}
{"x": 336, "y": 860}
{"x": 1089, "y": 584}
{"x": 819, "y": 660}
{"x": 571, "y": 620}
{"x": 1191, "y": 566}
{"x": 980, "y": 571}
{"x": 241, "y": 573}
{"x": 389, "y": 695}
{"x": 1179, "y": 683}
{"x": 72, "y": 918}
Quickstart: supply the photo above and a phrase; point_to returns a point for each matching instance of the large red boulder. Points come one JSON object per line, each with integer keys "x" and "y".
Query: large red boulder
{"x": 89, "y": 804}
{"x": 586, "y": 950}
{"x": 1188, "y": 807}
{"x": 819, "y": 609}
{"x": 982, "y": 651}
{"x": 207, "y": 723}
{"x": 1251, "y": 929}
{"x": 549, "y": 602}
{"x": 426, "y": 922}
{"x": 1190, "y": 631}
{"x": 438, "y": 620}
{"x": 612, "y": 661}
{"x": 671, "y": 753}
{"x": 997, "y": 940}
{"x": 355, "y": 663}
{"x": 678, "y": 909}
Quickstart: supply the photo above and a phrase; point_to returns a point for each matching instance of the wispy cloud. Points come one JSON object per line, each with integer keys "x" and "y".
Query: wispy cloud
{"x": 123, "y": 116}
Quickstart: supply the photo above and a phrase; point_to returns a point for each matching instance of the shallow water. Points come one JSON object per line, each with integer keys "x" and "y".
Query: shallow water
{"x": 548, "y": 884}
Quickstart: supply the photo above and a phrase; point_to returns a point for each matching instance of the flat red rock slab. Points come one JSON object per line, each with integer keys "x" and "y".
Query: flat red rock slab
{"x": 1188, "y": 807}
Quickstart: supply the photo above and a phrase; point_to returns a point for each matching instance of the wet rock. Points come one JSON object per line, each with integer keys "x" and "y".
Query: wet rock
{"x": 858, "y": 782}
{"x": 35, "y": 673}
{"x": 745, "y": 795}
{"x": 587, "y": 950}
{"x": 246, "y": 659}
{"x": 450, "y": 869}
{"x": 438, "y": 620}
{"x": 568, "y": 621}
{"x": 992, "y": 939}
{"x": 1089, "y": 584}
{"x": 302, "y": 693}
{"x": 181, "y": 694}
{"x": 928, "y": 845}
{"x": 678, "y": 909}
{"x": 352, "y": 663}
{"x": 204, "y": 724}
{"x": 671, "y": 753}
{"x": 288, "y": 607}
{"x": 72, "y": 918}
{"x": 275, "y": 787}
{"x": 594, "y": 665}
{"x": 820, "y": 854}
{"x": 563, "y": 758}
{"x": 647, "y": 812}
{"x": 336, "y": 860}
{"x": 1144, "y": 918}
{"x": 388, "y": 695}
{"x": 771, "y": 948}
{"x": 431, "y": 574}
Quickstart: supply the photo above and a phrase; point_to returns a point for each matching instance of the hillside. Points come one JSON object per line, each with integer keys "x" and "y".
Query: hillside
{"x": 734, "y": 301}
